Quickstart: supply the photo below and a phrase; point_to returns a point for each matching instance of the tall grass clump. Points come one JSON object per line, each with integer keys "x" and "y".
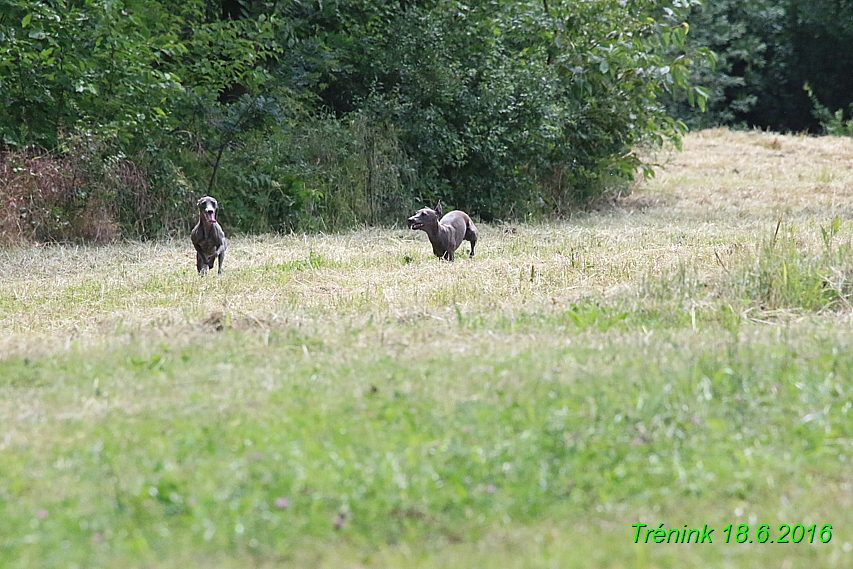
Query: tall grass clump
{"x": 789, "y": 273}
{"x": 785, "y": 274}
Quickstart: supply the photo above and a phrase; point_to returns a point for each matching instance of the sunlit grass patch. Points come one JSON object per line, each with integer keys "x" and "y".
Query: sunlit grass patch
{"x": 191, "y": 448}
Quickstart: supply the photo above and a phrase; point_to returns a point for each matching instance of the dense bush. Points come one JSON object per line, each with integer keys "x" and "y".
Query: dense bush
{"x": 515, "y": 107}
{"x": 86, "y": 191}
{"x": 50, "y": 197}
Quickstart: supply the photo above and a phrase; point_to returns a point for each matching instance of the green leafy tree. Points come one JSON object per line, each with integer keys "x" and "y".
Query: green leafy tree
{"x": 510, "y": 106}
{"x": 94, "y": 67}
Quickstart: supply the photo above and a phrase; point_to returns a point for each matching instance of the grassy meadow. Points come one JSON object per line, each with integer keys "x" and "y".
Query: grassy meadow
{"x": 683, "y": 356}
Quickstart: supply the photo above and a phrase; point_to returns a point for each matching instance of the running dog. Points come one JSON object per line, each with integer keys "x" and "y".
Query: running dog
{"x": 207, "y": 236}
{"x": 445, "y": 233}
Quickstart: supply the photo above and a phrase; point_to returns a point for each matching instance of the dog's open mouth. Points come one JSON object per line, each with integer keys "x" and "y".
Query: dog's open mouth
{"x": 416, "y": 225}
{"x": 210, "y": 217}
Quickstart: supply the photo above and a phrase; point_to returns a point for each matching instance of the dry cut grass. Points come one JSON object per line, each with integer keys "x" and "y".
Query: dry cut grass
{"x": 723, "y": 193}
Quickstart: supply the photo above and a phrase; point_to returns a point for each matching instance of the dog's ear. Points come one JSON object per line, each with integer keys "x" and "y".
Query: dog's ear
{"x": 438, "y": 208}
{"x": 199, "y": 202}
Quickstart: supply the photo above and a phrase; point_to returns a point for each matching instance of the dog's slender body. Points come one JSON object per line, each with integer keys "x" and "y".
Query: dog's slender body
{"x": 445, "y": 233}
{"x": 207, "y": 236}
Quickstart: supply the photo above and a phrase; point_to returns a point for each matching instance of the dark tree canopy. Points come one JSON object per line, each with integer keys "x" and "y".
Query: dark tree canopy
{"x": 768, "y": 50}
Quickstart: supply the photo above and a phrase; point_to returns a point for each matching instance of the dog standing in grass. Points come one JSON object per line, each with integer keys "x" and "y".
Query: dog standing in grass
{"x": 445, "y": 233}
{"x": 207, "y": 236}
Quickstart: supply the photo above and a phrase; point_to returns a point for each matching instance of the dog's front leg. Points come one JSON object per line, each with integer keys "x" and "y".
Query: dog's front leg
{"x": 200, "y": 261}
{"x": 201, "y": 264}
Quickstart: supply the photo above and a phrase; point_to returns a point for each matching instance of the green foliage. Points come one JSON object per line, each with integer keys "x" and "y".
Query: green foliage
{"x": 817, "y": 36}
{"x": 767, "y": 50}
{"x": 504, "y": 109}
{"x": 832, "y": 123}
{"x": 305, "y": 175}
{"x": 95, "y": 68}
{"x": 738, "y": 33}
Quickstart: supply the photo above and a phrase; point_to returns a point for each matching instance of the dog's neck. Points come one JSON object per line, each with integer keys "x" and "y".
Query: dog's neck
{"x": 206, "y": 228}
{"x": 433, "y": 229}
{"x": 438, "y": 236}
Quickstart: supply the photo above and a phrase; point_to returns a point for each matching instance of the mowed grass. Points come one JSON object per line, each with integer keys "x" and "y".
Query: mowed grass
{"x": 683, "y": 357}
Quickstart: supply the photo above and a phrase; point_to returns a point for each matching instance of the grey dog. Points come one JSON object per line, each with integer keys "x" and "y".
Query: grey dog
{"x": 445, "y": 233}
{"x": 207, "y": 236}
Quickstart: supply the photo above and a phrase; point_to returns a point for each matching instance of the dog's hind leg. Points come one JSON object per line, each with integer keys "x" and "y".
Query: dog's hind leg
{"x": 471, "y": 235}
{"x": 221, "y": 259}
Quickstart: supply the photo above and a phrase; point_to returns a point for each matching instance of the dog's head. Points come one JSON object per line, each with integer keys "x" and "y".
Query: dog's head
{"x": 207, "y": 207}
{"x": 425, "y": 218}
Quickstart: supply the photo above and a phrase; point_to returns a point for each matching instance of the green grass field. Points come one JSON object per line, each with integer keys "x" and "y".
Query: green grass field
{"x": 683, "y": 357}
